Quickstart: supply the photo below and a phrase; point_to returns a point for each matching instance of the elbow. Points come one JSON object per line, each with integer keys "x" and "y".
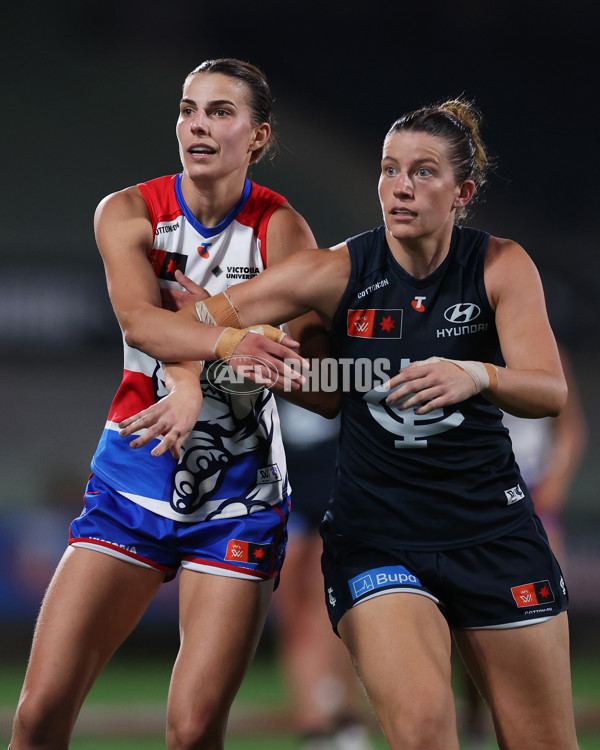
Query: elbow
{"x": 133, "y": 338}
{"x": 131, "y": 329}
{"x": 330, "y": 407}
{"x": 559, "y": 400}
{"x": 329, "y": 412}
{"x": 137, "y": 337}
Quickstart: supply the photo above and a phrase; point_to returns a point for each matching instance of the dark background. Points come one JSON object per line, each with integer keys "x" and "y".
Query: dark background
{"x": 90, "y": 95}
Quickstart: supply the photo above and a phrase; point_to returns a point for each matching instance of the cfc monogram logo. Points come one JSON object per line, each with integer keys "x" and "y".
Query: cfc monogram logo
{"x": 411, "y": 429}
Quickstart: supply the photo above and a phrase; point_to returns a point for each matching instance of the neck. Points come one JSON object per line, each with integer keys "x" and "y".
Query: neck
{"x": 211, "y": 200}
{"x": 421, "y": 256}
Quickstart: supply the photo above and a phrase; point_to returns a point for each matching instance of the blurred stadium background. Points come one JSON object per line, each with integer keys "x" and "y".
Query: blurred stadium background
{"x": 90, "y": 95}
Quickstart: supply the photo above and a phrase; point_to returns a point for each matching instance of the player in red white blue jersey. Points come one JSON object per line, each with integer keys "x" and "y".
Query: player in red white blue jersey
{"x": 431, "y": 533}
{"x": 216, "y": 505}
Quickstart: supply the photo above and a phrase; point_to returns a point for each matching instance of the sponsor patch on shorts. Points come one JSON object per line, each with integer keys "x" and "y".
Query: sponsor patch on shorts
{"x": 268, "y": 475}
{"x": 390, "y": 576}
{"x": 533, "y": 594}
{"x": 247, "y": 552}
{"x": 514, "y": 494}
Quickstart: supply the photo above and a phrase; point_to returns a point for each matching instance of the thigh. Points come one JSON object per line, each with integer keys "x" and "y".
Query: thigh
{"x": 92, "y": 604}
{"x": 400, "y": 644}
{"x": 524, "y": 674}
{"x": 221, "y": 620}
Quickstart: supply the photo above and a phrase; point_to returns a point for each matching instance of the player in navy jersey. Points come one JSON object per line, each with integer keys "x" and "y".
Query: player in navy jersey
{"x": 216, "y": 505}
{"x": 431, "y": 532}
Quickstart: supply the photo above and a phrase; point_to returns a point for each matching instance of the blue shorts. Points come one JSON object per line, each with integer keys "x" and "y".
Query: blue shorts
{"x": 505, "y": 583}
{"x": 251, "y": 546}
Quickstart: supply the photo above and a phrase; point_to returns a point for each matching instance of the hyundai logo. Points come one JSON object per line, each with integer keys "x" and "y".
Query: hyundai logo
{"x": 462, "y": 313}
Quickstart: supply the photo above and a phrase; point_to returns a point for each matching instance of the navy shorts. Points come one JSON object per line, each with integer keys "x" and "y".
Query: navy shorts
{"x": 508, "y": 582}
{"x": 251, "y": 546}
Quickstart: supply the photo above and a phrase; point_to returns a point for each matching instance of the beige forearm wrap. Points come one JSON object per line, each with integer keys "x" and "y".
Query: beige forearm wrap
{"x": 218, "y": 310}
{"x": 483, "y": 374}
{"x": 231, "y": 337}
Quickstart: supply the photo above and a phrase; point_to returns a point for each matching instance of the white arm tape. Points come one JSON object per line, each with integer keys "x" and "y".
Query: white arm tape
{"x": 483, "y": 374}
{"x": 204, "y": 314}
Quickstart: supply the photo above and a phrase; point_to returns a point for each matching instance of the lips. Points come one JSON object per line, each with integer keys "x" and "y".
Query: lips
{"x": 403, "y": 212}
{"x": 201, "y": 150}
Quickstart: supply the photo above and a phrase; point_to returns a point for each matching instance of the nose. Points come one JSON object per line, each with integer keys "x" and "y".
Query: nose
{"x": 403, "y": 185}
{"x": 200, "y": 122}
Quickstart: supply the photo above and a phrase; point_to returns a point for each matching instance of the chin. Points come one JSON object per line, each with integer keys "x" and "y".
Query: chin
{"x": 402, "y": 232}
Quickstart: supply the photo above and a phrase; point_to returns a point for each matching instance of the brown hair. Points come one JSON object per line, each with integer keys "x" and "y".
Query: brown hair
{"x": 260, "y": 98}
{"x": 457, "y": 121}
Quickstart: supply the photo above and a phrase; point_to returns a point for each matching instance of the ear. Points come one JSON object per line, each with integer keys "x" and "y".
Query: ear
{"x": 262, "y": 133}
{"x": 465, "y": 192}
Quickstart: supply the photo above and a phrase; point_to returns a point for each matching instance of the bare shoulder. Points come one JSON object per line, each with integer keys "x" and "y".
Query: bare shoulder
{"x": 127, "y": 203}
{"x": 506, "y": 254}
{"x": 507, "y": 266}
{"x": 287, "y": 216}
{"x": 121, "y": 223}
{"x": 287, "y": 233}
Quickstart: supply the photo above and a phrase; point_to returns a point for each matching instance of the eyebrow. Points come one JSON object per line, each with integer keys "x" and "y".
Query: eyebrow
{"x": 214, "y": 103}
{"x": 423, "y": 160}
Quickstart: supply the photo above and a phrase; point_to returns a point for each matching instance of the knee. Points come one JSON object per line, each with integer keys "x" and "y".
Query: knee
{"x": 40, "y": 722}
{"x": 196, "y": 730}
{"x": 425, "y": 720}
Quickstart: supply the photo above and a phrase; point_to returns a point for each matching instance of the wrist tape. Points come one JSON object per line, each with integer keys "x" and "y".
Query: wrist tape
{"x": 231, "y": 337}
{"x": 218, "y": 311}
{"x": 483, "y": 374}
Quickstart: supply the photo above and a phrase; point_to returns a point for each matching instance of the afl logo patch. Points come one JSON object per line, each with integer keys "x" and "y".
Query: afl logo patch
{"x": 462, "y": 313}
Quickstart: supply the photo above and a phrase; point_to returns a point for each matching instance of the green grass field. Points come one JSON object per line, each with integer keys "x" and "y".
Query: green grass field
{"x": 126, "y": 708}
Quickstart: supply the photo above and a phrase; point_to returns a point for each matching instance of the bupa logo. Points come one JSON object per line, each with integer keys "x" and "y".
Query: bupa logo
{"x": 463, "y": 312}
{"x": 387, "y": 577}
{"x": 361, "y": 585}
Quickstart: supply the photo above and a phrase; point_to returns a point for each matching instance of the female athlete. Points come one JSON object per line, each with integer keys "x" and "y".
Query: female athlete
{"x": 215, "y": 507}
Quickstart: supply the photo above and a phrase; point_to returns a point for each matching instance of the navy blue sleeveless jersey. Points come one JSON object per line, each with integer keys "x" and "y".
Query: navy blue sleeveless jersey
{"x": 438, "y": 481}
